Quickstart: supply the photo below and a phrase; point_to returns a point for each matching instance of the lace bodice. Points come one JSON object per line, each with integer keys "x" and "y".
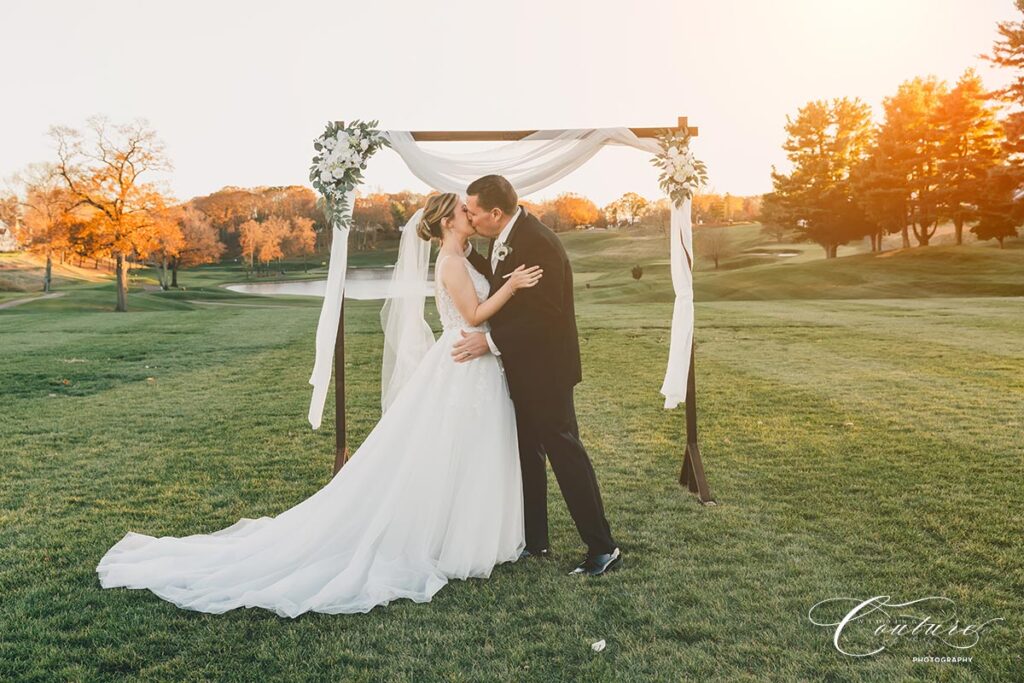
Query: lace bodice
{"x": 450, "y": 316}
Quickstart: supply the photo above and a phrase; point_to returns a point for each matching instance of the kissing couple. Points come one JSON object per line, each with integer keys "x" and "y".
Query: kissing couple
{"x": 452, "y": 480}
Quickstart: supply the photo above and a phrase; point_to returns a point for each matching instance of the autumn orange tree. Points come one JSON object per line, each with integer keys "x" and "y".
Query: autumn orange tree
{"x": 274, "y": 230}
{"x": 711, "y": 207}
{"x": 404, "y": 205}
{"x": 87, "y": 236}
{"x": 182, "y": 236}
{"x": 109, "y": 170}
{"x": 200, "y": 243}
{"x": 275, "y": 238}
{"x": 230, "y": 207}
{"x": 300, "y": 239}
{"x": 371, "y": 214}
{"x": 250, "y": 234}
{"x": 574, "y": 210}
{"x": 165, "y": 240}
{"x": 46, "y": 214}
{"x": 708, "y": 207}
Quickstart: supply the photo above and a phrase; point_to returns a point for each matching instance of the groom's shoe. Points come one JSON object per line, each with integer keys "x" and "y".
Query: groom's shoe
{"x": 599, "y": 564}
{"x": 541, "y": 552}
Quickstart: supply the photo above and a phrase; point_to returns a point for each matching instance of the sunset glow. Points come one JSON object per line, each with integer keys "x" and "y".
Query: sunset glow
{"x": 238, "y": 90}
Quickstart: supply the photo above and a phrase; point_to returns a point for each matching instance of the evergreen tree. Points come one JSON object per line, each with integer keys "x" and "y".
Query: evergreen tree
{"x": 826, "y": 141}
{"x": 970, "y": 148}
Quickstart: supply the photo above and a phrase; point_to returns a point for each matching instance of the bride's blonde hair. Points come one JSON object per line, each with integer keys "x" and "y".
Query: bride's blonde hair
{"x": 439, "y": 206}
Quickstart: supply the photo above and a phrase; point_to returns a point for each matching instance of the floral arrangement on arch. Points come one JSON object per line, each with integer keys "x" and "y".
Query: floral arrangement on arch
{"x": 681, "y": 174}
{"x": 341, "y": 155}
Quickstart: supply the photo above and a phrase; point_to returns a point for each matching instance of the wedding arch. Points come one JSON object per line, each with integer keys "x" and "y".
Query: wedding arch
{"x": 531, "y": 160}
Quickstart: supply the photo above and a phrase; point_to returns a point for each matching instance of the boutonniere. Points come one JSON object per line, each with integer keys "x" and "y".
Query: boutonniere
{"x": 501, "y": 251}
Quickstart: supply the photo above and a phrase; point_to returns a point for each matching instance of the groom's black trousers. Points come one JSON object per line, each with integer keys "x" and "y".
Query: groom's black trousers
{"x": 546, "y": 423}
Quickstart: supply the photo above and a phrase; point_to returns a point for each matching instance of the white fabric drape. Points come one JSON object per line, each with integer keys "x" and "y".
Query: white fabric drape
{"x": 330, "y": 314}
{"x": 681, "y": 338}
{"x": 531, "y": 164}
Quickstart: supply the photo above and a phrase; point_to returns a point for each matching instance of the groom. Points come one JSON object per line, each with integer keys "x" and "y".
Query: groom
{"x": 535, "y": 337}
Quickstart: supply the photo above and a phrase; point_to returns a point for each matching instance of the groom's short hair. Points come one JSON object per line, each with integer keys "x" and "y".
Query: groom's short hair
{"x": 494, "y": 191}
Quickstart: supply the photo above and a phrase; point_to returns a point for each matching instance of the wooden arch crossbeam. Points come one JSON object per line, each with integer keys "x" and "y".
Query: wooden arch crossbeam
{"x": 691, "y": 474}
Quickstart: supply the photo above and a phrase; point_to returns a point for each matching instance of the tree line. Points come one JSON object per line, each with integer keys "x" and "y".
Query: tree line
{"x": 380, "y": 215}
{"x": 940, "y": 153}
{"x": 101, "y": 200}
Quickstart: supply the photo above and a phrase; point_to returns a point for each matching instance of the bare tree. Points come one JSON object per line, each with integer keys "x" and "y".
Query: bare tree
{"x": 105, "y": 173}
{"x": 713, "y": 243}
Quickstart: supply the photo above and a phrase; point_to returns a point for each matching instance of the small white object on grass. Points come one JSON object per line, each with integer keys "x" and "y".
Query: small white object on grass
{"x": 598, "y": 646}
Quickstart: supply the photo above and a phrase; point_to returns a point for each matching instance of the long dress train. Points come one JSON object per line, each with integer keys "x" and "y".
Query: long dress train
{"x": 433, "y": 493}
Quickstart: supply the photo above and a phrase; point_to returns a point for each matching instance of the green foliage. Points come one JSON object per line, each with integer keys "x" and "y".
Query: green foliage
{"x": 334, "y": 173}
{"x": 825, "y": 142}
{"x": 682, "y": 174}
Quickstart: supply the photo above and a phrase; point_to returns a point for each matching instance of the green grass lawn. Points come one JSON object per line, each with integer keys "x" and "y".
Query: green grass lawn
{"x": 861, "y": 440}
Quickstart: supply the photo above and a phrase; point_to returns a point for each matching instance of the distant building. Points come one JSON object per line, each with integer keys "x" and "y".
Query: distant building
{"x": 7, "y": 241}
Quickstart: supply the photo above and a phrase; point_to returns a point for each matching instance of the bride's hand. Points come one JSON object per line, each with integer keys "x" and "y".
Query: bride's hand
{"x": 523, "y": 277}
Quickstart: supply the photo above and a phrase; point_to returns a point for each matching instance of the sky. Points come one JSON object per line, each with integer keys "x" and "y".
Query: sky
{"x": 238, "y": 90}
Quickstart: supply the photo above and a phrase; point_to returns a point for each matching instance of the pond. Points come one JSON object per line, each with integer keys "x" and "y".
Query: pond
{"x": 360, "y": 283}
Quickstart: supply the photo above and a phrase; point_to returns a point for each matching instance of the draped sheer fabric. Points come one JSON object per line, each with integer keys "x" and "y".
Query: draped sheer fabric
{"x": 407, "y": 336}
{"x": 530, "y": 164}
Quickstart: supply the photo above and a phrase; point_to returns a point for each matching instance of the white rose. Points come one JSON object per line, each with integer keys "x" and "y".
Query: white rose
{"x": 679, "y": 176}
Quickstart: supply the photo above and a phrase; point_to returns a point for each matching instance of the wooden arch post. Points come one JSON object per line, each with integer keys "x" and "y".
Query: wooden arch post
{"x": 691, "y": 474}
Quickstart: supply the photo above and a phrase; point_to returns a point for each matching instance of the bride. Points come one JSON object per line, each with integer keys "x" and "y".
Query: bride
{"x": 433, "y": 493}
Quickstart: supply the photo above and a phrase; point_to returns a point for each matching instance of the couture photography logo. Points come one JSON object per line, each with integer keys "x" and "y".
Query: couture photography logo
{"x": 868, "y": 627}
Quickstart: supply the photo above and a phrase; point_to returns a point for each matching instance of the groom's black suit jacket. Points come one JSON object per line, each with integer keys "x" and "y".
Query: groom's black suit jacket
{"x": 535, "y": 332}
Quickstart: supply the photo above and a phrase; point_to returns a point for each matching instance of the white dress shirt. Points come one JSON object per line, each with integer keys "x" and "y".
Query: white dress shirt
{"x": 494, "y": 265}
{"x": 502, "y": 237}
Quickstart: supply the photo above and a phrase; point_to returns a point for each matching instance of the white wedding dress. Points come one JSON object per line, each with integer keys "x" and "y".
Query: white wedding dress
{"x": 433, "y": 493}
